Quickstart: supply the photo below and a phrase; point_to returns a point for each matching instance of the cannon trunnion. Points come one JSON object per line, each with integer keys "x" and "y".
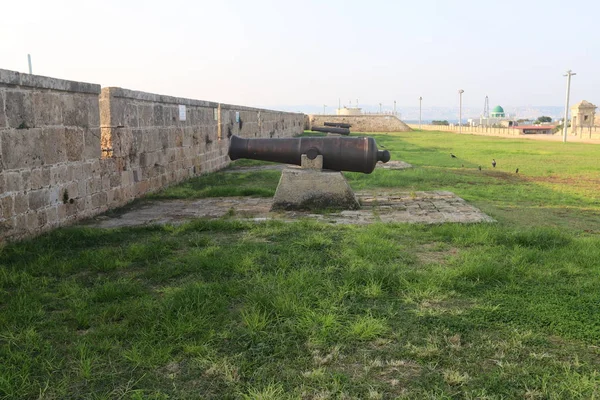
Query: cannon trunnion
{"x": 356, "y": 154}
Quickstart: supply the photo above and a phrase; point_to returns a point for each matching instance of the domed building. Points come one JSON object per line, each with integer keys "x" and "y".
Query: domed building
{"x": 497, "y": 118}
{"x": 497, "y": 112}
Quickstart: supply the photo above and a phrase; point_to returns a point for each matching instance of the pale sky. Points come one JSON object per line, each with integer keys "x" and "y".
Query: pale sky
{"x": 292, "y": 53}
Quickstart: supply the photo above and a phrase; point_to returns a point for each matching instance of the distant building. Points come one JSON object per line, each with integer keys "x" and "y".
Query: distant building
{"x": 582, "y": 116}
{"x": 529, "y": 129}
{"x": 497, "y": 112}
{"x": 349, "y": 111}
{"x": 497, "y": 118}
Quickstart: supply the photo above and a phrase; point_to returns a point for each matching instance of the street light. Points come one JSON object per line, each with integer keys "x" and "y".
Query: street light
{"x": 379, "y": 108}
{"x": 420, "y": 103}
{"x": 394, "y": 107}
{"x": 324, "y": 105}
{"x": 460, "y": 92}
{"x": 565, "y": 122}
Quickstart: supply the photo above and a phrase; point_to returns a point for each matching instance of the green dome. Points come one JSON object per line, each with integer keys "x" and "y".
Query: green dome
{"x": 498, "y": 109}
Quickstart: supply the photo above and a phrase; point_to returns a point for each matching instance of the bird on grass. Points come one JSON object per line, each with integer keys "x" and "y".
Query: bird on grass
{"x": 452, "y": 155}
{"x": 493, "y": 163}
{"x": 517, "y": 171}
{"x": 480, "y": 167}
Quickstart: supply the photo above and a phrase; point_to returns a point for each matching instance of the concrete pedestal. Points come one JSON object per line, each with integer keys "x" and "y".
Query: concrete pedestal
{"x": 313, "y": 189}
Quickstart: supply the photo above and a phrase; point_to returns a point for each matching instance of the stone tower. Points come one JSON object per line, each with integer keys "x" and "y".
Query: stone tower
{"x": 582, "y": 116}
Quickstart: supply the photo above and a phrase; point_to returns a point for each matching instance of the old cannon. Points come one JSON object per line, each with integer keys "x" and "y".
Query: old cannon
{"x": 356, "y": 154}
{"x": 337, "y": 124}
{"x": 331, "y": 129}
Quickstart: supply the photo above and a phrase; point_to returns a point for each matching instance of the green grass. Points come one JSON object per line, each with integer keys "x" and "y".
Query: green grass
{"x": 223, "y": 309}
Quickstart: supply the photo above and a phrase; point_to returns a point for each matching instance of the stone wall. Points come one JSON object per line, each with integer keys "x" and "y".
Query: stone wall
{"x": 70, "y": 150}
{"x": 363, "y": 123}
{"x": 152, "y": 141}
{"x": 50, "y": 149}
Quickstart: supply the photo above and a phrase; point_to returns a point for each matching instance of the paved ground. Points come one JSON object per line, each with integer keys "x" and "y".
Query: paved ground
{"x": 388, "y": 165}
{"x": 415, "y": 207}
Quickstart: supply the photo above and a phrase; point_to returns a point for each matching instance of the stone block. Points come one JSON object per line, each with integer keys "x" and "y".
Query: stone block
{"x": 91, "y": 144}
{"x": 70, "y": 209}
{"x": 94, "y": 185}
{"x": 53, "y": 146}
{"x": 64, "y": 174}
{"x": 42, "y": 217}
{"x": 32, "y": 222}
{"x": 14, "y": 182}
{"x": 46, "y": 176}
{"x": 20, "y": 224}
{"x": 26, "y": 179}
{"x": 145, "y": 115}
{"x": 10, "y": 77}
{"x": 38, "y": 199}
{"x": 19, "y": 110}
{"x": 74, "y": 143}
{"x": 75, "y": 110}
{"x": 23, "y": 149}
{"x": 302, "y": 189}
{"x": 99, "y": 200}
{"x": 36, "y": 179}
{"x": 159, "y": 115}
{"x": 47, "y": 108}
{"x": 93, "y": 110}
{"x": 20, "y": 204}
{"x": 6, "y": 204}
{"x": 82, "y": 186}
{"x": 77, "y": 172}
{"x": 2, "y": 112}
{"x": 131, "y": 115}
{"x": 105, "y": 183}
{"x": 73, "y": 190}
{"x": 55, "y": 195}
{"x": 52, "y": 216}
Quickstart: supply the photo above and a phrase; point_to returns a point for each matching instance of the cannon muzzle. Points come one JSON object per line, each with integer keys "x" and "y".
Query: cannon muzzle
{"x": 356, "y": 154}
{"x": 331, "y": 129}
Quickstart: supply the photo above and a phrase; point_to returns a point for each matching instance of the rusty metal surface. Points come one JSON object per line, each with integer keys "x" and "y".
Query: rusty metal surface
{"x": 356, "y": 154}
{"x": 330, "y": 129}
{"x": 338, "y": 124}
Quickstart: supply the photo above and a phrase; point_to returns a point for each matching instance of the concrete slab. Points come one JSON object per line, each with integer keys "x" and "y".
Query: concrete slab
{"x": 393, "y": 207}
{"x": 313, "y": 189}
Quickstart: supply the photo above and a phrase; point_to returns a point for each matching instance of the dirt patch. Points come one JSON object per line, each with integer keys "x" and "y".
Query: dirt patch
{"x": 431, "y": 253}
{"x": 588, "y": 183}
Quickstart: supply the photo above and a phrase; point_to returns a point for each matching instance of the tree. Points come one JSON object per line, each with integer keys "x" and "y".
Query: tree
{"x": 435, "y": 122}
{"x": 543, "y": 119}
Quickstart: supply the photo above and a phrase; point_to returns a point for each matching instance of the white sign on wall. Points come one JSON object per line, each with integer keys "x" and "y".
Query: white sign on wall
{"x": 182, "y": 113}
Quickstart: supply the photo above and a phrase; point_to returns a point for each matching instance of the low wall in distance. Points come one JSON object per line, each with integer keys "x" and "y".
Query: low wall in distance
{"x": 584, "y": 133}
{"x": 363, "y": 123}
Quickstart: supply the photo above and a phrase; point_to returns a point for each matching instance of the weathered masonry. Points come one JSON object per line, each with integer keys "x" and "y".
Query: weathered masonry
{"x": 71, "y": 150}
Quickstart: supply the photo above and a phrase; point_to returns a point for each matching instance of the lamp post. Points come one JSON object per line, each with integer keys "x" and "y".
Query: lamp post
{"x": 420, "y": 103}
{"x": 460, "y": 92}
{"x": 324, "y": 105}
{"x": 394, "y": 107}
{"x": 566, "y": 121}
{"x": 379, "y": 108}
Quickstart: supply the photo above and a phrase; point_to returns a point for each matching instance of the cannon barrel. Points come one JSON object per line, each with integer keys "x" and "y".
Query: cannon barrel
{"x": 356, "y": 154}
{"x": 330, "y": 129}
{"x": 337, "y": 124}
